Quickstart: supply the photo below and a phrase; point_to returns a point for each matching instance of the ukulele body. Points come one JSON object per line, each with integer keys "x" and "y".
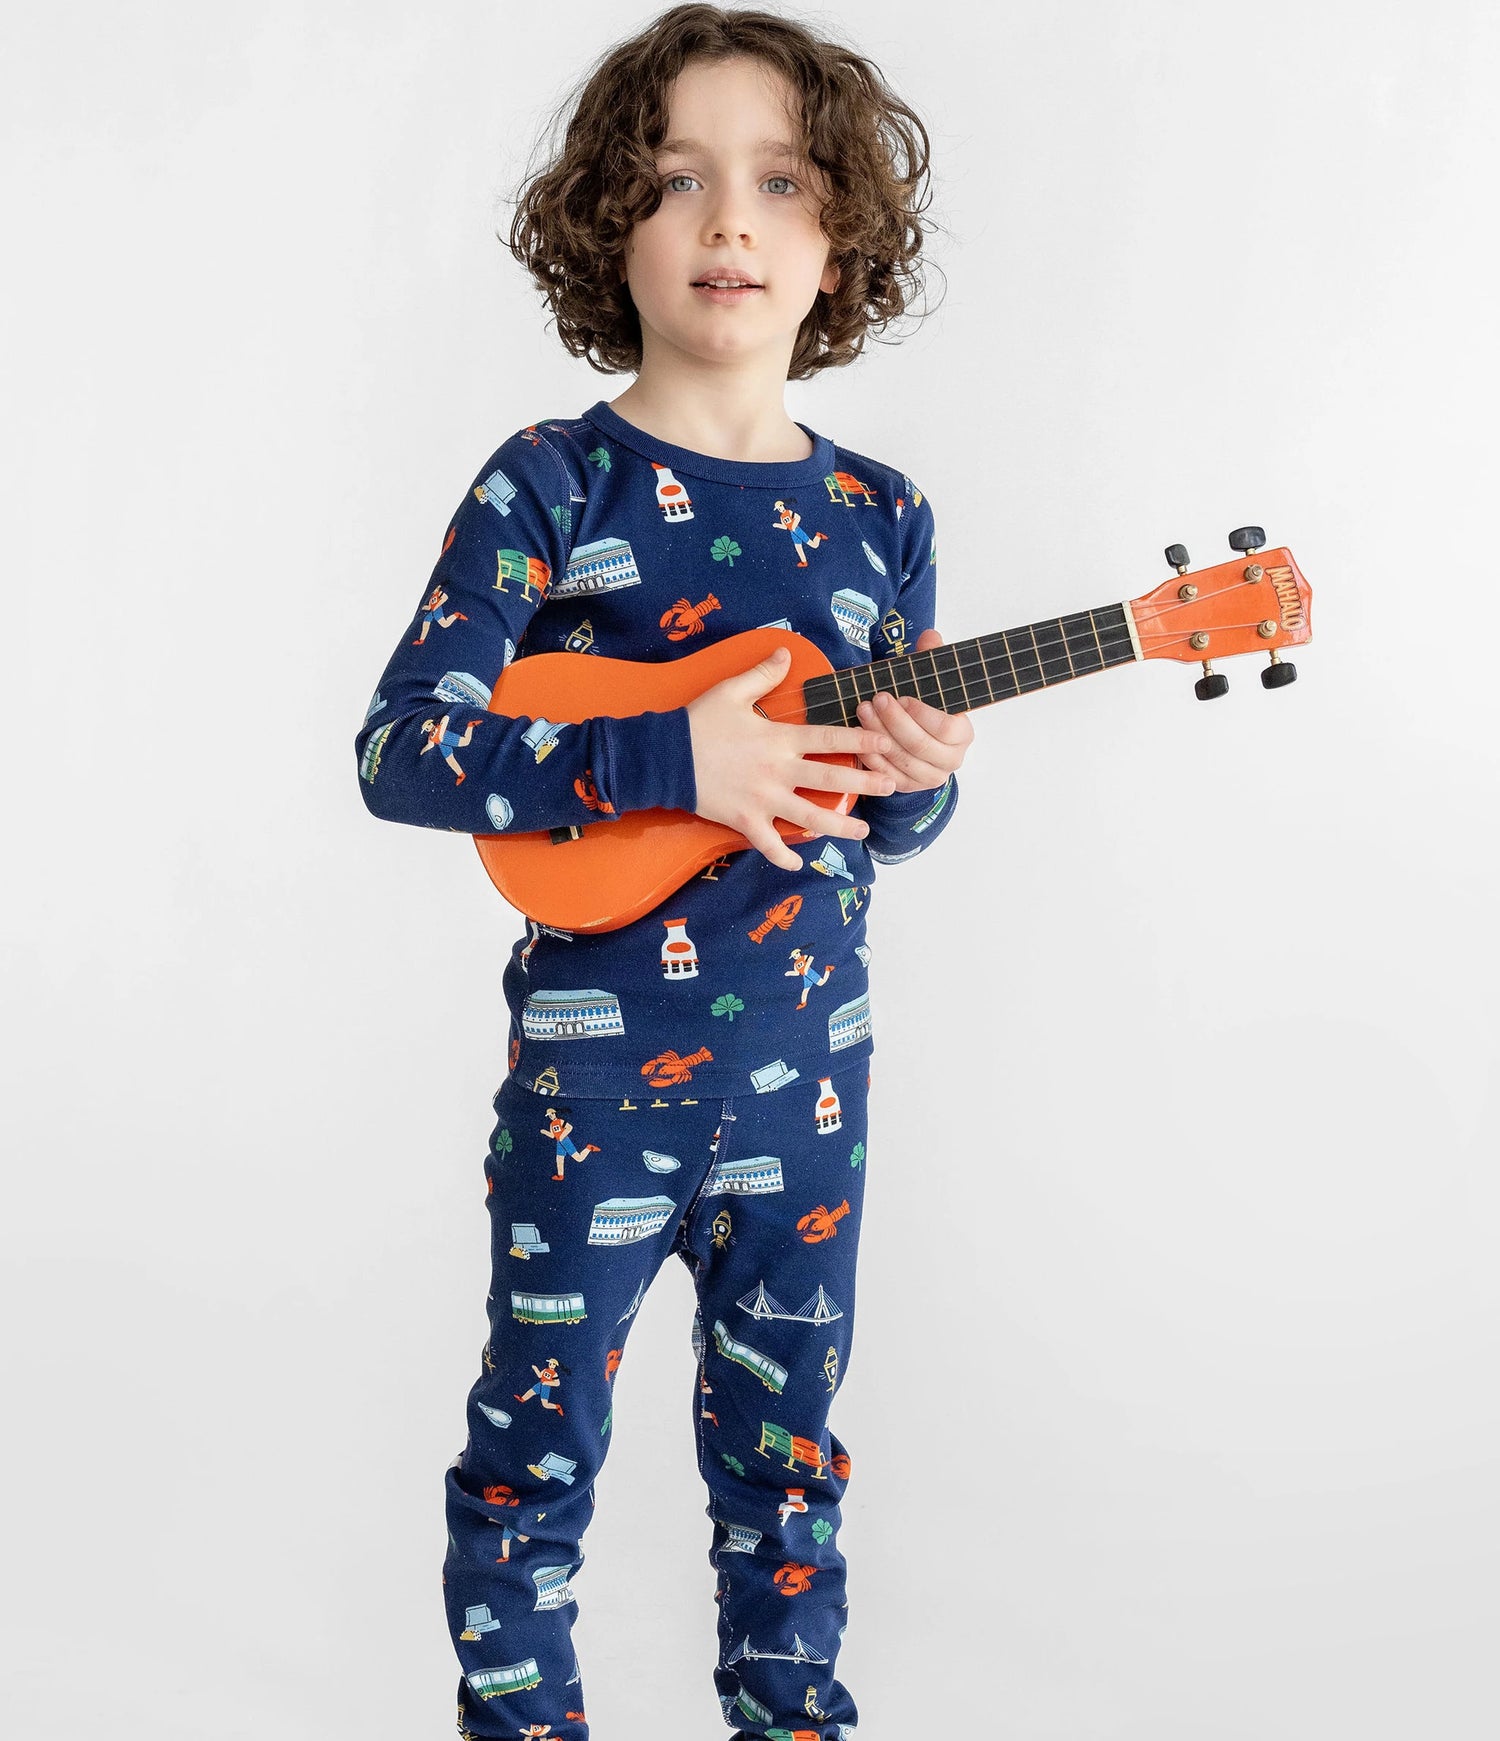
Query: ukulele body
{"x": 612, "y": 871}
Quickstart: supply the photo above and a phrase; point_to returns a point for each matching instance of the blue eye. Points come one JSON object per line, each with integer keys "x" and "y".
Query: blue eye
{"x": 684, "y": 176}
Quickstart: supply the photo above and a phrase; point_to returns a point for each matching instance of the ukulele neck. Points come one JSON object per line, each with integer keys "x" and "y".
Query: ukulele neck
{"x": 960, "y": 675}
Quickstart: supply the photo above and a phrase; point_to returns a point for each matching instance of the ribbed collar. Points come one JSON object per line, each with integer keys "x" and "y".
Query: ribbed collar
{"x": 749, "y": 474}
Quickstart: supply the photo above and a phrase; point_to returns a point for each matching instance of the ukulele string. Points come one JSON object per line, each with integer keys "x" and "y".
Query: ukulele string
{"x": 828, "y": 681}
{"x": 1178, "y": 635}
{"x": 825, "y": 686}
{"x": 797, "y": 714}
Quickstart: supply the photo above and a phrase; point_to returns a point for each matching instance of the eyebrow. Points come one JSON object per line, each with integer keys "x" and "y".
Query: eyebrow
{"x": 683, "y": 147}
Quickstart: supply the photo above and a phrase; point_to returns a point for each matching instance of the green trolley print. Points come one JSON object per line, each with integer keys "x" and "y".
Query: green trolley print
{"x": 747, "y": 1702}
{"x": 770, "y": 1372}
{"x": 513, "y": 1678}
{"x": 547, "y": 1308}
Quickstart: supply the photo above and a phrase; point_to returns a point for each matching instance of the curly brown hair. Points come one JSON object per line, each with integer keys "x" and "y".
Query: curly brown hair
{"x": 574, "y": 217}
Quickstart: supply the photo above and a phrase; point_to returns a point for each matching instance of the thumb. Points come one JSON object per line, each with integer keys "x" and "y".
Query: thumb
{"x": 770, "y": 670}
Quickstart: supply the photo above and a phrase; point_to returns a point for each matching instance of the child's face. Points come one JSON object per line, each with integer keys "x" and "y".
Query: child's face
{"x": 729, "y": 201}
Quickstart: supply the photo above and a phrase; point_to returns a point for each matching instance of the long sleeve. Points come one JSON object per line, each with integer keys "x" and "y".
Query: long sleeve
{"x": 429, "y": 751}
{"x": 903, "y": 824}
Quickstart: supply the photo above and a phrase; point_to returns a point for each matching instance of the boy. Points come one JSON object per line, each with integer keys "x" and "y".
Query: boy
{"x": 726, "y": 1120}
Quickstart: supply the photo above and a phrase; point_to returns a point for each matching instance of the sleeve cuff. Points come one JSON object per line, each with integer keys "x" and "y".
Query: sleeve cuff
{"x": 904, "y": 805}
{"x": 650, "y": 761}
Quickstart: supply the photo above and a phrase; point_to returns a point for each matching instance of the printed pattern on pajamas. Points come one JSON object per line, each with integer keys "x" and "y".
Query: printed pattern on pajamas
{"x": 760, "y": 1195}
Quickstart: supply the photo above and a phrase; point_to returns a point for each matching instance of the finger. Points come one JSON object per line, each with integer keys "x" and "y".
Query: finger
{"x": 925, "y": 756}
{"x": 884, "y": 712}
{"x": 821, "y": 821}
{"x": 764, "y": 836}
{"x": 899, "y": 725}
{"x": 835, "y": 777}
{"x": 917, "y": 772}
{"x": 901, "y": 780}
{"x": 921, "y": 714}
{"x": 840, "y": 740}
{"x": 919, "y": 766}
{"x": 947, "y": 728}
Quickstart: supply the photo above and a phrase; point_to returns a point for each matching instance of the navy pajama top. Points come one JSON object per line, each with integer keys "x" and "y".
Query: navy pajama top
{"x": 588, "y": 535}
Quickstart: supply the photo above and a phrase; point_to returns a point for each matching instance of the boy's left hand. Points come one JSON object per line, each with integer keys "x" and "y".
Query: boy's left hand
{"x": 929, "y": 744}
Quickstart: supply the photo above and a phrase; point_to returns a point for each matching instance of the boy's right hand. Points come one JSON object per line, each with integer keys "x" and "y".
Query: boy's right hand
{"x": 748, "y": 767}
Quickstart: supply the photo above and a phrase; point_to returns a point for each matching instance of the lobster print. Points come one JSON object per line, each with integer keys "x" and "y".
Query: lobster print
{"x": 778, "y": 918}
{"x": 669, "y": 1068}
{"x": 684, "y": 619}
{"x": 822, "y": 1222}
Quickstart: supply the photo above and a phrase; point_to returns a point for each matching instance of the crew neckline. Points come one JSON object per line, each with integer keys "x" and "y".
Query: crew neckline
{"x": 817, "y": 465}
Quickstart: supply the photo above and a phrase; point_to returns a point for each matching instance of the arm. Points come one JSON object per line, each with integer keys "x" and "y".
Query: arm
{"x": 501, "y": 553}
{"x": 892, "y": 816}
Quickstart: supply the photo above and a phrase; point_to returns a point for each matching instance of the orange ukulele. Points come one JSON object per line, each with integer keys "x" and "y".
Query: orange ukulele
{"x": 601, "y": 875}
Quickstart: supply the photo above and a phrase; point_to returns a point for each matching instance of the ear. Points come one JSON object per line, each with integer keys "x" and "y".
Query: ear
{"x": 829, "y": 282}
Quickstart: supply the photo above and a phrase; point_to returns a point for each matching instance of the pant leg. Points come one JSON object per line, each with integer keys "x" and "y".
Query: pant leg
{"x": 571, "y": 1262}
{"x": 772, "y": 1243}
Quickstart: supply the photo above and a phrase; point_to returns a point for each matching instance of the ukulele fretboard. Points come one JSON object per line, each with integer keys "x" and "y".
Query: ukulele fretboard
{"x": 960, "y": 675}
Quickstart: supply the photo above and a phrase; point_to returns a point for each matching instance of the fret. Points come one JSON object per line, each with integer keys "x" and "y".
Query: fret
{"x": 849, "y": 703}
{"x": 1023, "y": 658}
{"x": 1015, "y": 676}
{"x": 997, "y": 667}
{"x": 1052, "y": 651}
{"x": 851, "y": 678}
{"x": 955, "y": 654}
{"x": 961, "y": 675}
{"x": 1083, "y": 648}
{"x": 974, "y": 673}
{"x": 1114, "y": 634}
{"x": 949, "y": 700}
{"x": 924, "y": 681}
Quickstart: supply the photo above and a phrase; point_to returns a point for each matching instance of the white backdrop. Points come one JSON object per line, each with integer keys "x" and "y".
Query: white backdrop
{"x": 1185, "y": 1089}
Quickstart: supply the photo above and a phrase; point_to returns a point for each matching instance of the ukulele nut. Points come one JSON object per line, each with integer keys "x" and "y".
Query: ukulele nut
{"x": 1187, "y": 592}
{"x": 1255, "y": 572}
{"x": 1199, "y": 641}
{"x": 1267, "y": 628}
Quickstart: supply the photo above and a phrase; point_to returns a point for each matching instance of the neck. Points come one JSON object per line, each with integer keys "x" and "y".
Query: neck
{"x": 749, "y": 432}
{"x": 960, "y": 675}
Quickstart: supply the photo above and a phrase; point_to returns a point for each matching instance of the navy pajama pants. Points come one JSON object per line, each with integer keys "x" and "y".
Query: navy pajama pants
{"x": 760, "y": 1196}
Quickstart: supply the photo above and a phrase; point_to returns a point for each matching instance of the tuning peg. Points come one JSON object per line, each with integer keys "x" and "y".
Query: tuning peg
{"x": 1278, "y": 673}
{"x": 1177, "y": 555}
{"x": 1247, "y": 538}
{"x": 1211, "y": 684}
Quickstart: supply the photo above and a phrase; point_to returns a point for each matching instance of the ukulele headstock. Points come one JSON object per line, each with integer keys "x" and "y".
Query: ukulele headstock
{"x": 1256, "y": 604}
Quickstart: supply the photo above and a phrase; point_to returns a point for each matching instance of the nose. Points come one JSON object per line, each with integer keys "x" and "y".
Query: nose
{"x": 729, "y": 216}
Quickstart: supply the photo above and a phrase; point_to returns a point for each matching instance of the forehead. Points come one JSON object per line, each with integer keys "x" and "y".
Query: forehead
{"x": 739, "y": 104}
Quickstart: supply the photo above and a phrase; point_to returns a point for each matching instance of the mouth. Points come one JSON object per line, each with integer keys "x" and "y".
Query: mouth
{"x": 726, "y": 281}
{"x": 728, "y": 296}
